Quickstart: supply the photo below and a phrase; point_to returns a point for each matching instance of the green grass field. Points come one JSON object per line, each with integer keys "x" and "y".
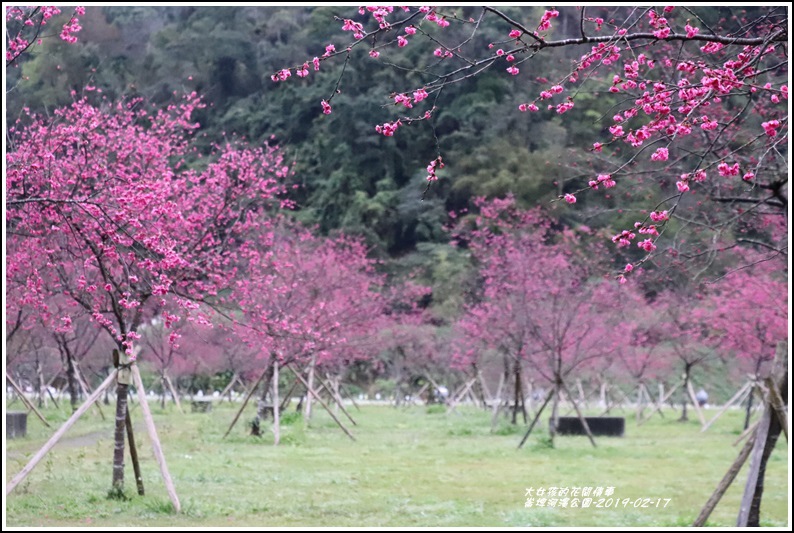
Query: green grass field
{"x": 414, "y": 466}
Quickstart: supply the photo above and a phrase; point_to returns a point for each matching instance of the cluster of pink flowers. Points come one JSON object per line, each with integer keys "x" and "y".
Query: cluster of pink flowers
{"x": 646, "y": 230}
{"x": 690, "y": 31}
{"x": 18, "y": 44}
{"x": 563, "y": 107}
{"x": 388, "y": 128}
{"x": 661, "y": 216}
{"x": 326, "y": 107}
{"x": 647, "y": 245}
{"x": 623, "y": 238}
{"x": 433, "y": 17}
{"x": 660, "y": 154}
{"x": 356, "y": 27}
{"x": 602, "y": 179}
{"x": 527, "y": 107}
{"x": 545, "y": 20}
{"x": 771, "y": 127}
{"x": 726, "y": 170}
{"x": 403, "y": 99}
{"x": 379, "y": 13}
{"x": 419, "y": 95}
{"x": 441, "y": 52}
{"x": 515, "y": 34}
{"x": 435, "y": 164}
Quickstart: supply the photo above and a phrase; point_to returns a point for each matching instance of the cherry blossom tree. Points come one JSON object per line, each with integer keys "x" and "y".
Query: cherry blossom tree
{"x": 26, "y": 26}
{"x": 543, "y": 302}
{"x": 105, "y": 208}
{"x": 303, "y": 300}
{"x": 698, "y": 104}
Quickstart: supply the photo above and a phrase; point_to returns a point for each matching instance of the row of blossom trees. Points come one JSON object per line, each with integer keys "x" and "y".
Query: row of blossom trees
{"x": 113, "y": 217}
{"x": 546, "y": 306}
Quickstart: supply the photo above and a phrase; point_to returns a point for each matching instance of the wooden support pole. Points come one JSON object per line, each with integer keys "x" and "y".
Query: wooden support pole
{"x": 537, "y": 417}
{"x": 152, "y": 430}
{"x": 738, "y": 397}
{"x": 58, "y": 434}
{"x": 174, "y": 395}
{"x": 49, "y": 393}
{"x": 245, "y": 402}
{"x": 288, "y": 396}
{"x": 579, "y": 414}
{"x": 84, "y": 386}
{"x": 723, "y": 485}
{"x": 746, "y": 432}
{"x": 311, "y": 391}
{"x": 228, "y": 387}
{"x": 335, "y": 397}
{"x": 497, "y": 402}
{"x": 695, "y": 403}
{"x": 661, "y": 403}
{"x": 761, "y": 432}
{"x": 459, "y": 397}
{"x": 136, "y": 466}
{"x": 26, "y": 401}
{"x": 350, "y": 396}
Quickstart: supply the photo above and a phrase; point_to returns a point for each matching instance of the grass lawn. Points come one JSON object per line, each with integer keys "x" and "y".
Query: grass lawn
{"x": 415, "y": 466}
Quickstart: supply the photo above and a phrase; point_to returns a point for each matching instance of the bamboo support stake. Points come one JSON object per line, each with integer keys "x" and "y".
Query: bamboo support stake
{"x": 136, "y": 466}
{"x": 723, "y": 485}
{"x": 661, "y": 403}
{"x": 746, "y": 432}
{"x": 738, "y": 397}
{"x": 311, "y": 391}
{"x": 228, "y": 388}
{"x": 156, "y": 447}
{"x": 60, "y": 433}
{"x": 245, "y": 402}
{"x": 695, "y": 403}
{"x": 761, "y": 432}
{"x": 83, "y": 385}
{"x": 26, "y": 401}
{"x": 174, "y": 395}
{"x": 336, "y": 399}
{"x": 537, "y": 417}
{"x": 579, "y": 414}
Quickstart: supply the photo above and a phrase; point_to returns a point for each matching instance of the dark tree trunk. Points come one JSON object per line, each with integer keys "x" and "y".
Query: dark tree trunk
{"x": 684, "y": 393}
{"x": 72, "y": 380}
{"x": 749, "y": 409}
{"x": 261, "y": 413}
{"x": 40, "y": 385}
{"x": 119, "y": 436}
{"x": 775, "y": 428}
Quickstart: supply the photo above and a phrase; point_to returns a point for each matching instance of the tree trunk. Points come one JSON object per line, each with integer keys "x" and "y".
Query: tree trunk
{"x": 261, "y": 413}
{"x": 72, "y": 380}
{"x": 775, "y": 428}
{"x": 307, "y": 408}
{"x": 684, "y": 393}
{"x": 120, "y": 434}
{"x": 749, "y": 410}
{"x": 554, "y": 412}
{"x": 40, "y": 386}
{"x": 276, "y": 405}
